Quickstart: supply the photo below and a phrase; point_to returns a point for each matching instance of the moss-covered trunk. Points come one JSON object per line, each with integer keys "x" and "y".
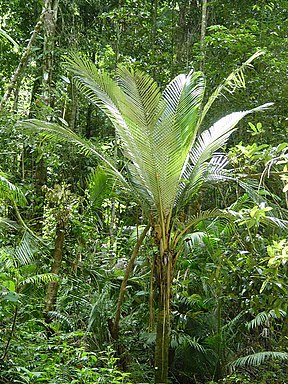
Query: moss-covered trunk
{"x": 57, "y": 260}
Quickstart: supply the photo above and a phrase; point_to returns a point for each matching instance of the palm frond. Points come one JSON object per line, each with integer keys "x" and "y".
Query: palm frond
{"x": 216, "y": 170}
{"x": 6, "y": 257}
{"x": 194, "y": 239}
{"x": 216, "y": 213}
{"x": 99, "y": 186}
{"x": 6, "y": 223}
{"x": 115, "y": 102}
{"x": 262, "y": 318}
{"x": 101, "y": 310}
{"x": 210, "y": 141}
{"x": 216, "y": 136}
{"x": 276, "y": 222}
{"x": 140, "y": 106}
{"x": 97, "y": 86}
{"x": 175, "y": 130}
{"x": 230, "y": 328}
{"x": 156, "y": 131}
{"x": 8, "y": 37}
{"x": 241, "y": 202}
{"x": 42, "y": 278}
{"x": 181, "y": 339}
{"x": 52, "y": 130}
{"x": 251, "y": 187}
{"x": 234, "y": 81}
{"x": 62, "y": 319}
{"x": 10, "y": 191}
{"x": 24, "y": 252}
{"x": 211, "y": 172}
{"x": 105, "y": 93}
{"x": 258, "y": 358}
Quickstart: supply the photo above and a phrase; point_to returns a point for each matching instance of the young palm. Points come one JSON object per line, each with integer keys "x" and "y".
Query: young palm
{"x": 167, "y": 160}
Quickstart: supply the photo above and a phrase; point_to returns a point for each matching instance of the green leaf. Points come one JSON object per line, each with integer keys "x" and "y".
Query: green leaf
{"x": 11, "y": 296}
{"x": 259, "y": 358}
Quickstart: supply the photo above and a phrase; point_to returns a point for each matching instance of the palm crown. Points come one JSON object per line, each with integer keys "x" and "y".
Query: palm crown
{"x": 166, "y": 158}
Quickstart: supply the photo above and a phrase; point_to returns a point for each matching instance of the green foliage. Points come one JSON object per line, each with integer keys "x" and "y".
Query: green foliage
{"x": 230, "y": 286}
{"x": 62, "y": 361}
{"x": 259, "y": 358}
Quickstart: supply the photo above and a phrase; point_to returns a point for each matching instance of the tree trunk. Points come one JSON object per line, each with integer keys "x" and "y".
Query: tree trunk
{"x": 17, "y": 76}
{"x": 49, "y": 27}
{"x": 70, "y": 113}
{"x": 4, "y": 356}
{"x": 203, "y": 33}
{"x": 164, "y": 272}
{"x": 57, "y": 256}
{"x": 88, "y": 131}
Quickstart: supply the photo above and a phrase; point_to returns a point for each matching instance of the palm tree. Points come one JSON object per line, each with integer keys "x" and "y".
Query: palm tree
{"x": 167, "y": 159}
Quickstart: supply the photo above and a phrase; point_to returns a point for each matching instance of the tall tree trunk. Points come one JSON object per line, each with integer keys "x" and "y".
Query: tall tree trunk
{"x": 49, "y": 28}
{"x": 203, "y": 33}
{"x": 181, "y": 33}
{"x": 164, "y": 272}
{"x": 62, "y": 210}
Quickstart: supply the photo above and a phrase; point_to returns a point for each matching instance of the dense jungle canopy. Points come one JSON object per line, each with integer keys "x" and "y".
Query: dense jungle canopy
{"x": 144, "y": 191}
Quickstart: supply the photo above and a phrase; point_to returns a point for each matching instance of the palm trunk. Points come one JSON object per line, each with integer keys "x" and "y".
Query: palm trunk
{"x": 164, "y": 272}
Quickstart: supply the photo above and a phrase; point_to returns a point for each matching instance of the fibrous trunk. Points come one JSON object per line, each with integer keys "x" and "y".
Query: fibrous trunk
{"x": 163, "y": 271}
